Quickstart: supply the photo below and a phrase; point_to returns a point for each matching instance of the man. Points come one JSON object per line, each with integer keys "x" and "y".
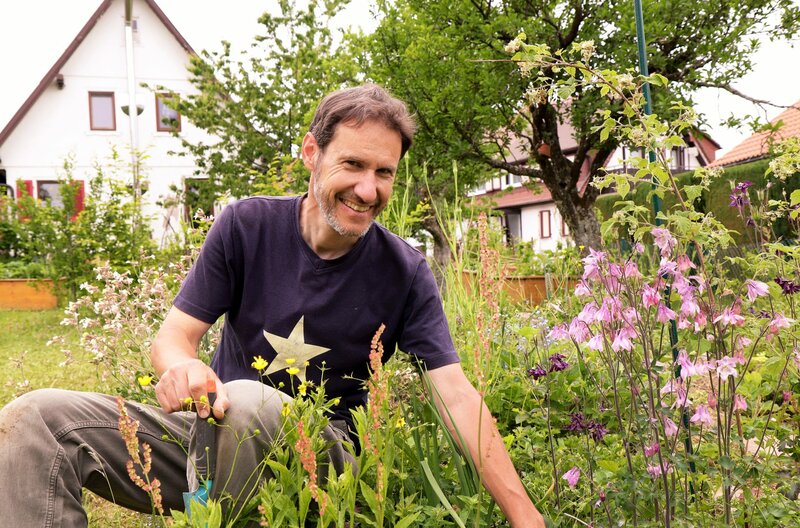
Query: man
{"x": 304, "y": 282}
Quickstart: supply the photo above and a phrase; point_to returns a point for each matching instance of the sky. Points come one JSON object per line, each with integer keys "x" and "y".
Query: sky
{"x": 34, "y": 33}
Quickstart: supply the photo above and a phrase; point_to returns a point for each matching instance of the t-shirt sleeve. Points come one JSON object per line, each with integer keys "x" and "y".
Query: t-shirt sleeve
{"x": 208, "y": 290}
{"x": 426, "y": 334}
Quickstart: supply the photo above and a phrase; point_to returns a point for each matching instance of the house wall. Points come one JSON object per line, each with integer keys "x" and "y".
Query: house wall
{"x": 58, "y": 124}
{"x": 531, "y": 227}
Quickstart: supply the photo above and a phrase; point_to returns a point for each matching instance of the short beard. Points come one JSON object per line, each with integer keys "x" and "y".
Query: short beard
{"x": 327, "y": 211}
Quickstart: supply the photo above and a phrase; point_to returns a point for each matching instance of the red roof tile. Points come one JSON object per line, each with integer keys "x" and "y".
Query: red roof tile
{"x": 757, "y": 145}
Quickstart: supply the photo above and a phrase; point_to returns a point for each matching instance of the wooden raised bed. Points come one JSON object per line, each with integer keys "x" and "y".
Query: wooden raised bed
{"x": 531, "y": 288}
{"x": 27, "y": 294}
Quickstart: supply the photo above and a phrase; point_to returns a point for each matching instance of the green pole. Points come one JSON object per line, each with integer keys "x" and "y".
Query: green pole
{"x": 648, "y": 100}
{"x": 673, "y": 328}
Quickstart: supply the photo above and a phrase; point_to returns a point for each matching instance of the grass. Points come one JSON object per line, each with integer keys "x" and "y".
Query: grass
{"x": 29, "y": 363}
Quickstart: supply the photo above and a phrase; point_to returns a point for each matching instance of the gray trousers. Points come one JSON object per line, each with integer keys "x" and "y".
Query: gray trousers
{"x": 53, "y": 443}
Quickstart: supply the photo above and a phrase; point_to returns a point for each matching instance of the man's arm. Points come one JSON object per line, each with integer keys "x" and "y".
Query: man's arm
{"x": 467, "y": 417}
{"x": 182, "y": 375}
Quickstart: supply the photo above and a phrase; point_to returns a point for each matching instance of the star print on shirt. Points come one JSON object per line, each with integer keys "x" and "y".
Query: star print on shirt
{"x": 292, "y": 347}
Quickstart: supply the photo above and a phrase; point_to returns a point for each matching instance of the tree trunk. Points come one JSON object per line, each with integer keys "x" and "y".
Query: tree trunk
{"x": 584, "y": 229}
{"x": 441, "y": 250}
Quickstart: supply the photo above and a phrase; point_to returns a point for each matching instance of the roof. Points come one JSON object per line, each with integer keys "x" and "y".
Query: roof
{"x": 52, "y": 73}
{"x": 757, "y": 145}
{"x": 525, "y": 195}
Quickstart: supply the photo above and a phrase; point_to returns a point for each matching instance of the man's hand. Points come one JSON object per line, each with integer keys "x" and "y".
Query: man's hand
{"x": 189, "y": 381}
{"x": 184, "y": 379}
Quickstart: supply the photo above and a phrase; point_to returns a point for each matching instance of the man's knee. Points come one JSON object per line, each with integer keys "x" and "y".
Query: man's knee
{"x": 42, "y": 406}
{"x": 254, "y": 405}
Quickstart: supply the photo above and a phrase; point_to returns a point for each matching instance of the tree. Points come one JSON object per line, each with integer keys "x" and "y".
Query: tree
{"x": 449, "y": 60}
{"x": 256, "y": 108}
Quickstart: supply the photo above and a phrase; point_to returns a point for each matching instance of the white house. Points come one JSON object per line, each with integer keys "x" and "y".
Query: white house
{"x": 80, "y": 108}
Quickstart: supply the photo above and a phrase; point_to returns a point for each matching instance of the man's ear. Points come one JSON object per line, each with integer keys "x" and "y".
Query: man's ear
{"x": 309, "y": 150}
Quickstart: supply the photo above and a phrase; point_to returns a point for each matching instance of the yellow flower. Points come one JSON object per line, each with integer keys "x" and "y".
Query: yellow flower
{"x": 401, "y": 422}
{"x": 285, "y": 411}
{"x": 301, "y": 389}
{"x": 290, "y": 361}
{"x": 260, "y": 363}
{"x": 203, "y": 399}
{"x": 293, "y": 371}
{"x": 145, "y": 381}
{"x": 187, "y": 401}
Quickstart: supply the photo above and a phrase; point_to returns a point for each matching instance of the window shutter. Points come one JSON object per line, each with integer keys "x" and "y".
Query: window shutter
{"x": 24, "y": 184}
{"x": 80, "y": 193}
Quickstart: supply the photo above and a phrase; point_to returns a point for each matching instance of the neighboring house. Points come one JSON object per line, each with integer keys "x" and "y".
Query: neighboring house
{"x": 80, "y": 109}
{"x": 758, "y": 145}
{"x": 529, "y": 212}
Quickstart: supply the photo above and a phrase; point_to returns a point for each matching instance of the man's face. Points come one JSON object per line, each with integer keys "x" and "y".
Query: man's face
{"x": 351, "y": 181}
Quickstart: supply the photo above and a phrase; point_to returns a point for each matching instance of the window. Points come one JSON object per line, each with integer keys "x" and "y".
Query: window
{"x": 167, "y": 119}
{"x": 564, "y": 228}
{"x": 101, "y": 111}
{"x": 50, "y": 191}
{"x": 544, "y": 224}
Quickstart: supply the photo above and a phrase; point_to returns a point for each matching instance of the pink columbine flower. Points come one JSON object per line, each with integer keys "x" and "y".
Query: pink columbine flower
{"x": 664, "y": 240}
{"x": 670, "y": 429}
{"x": 756, "y": 289}
{"x": 689, "y": 306}
{"x": 726, "y": 366}
{"x": 685, "y": 263}
{"x": 582, "y": 289}
{"x": 656, "y": 470}
{"x": 559, "y": 332}
{"x": 688, "y": 368}
{"x": 588, "y": 313}
{"x": 651, "y": 449}
{"x": 638, "y": 248}
{"x": 596, "y": 342}
{"x": 712, "y": 401}
{"x": 702, "y": 416}
{"x": 787, "y": 396}
{"x": 730, "y": 316}
{"x": 738, "y": 356}
{"x": 622, "y": 339}
{"x": 778, "y": 322}
{"x": 664, "y": 314}
{"x": 591, "y": 264}
{"x": 667, "y": 267}
{"x": 579, "y": 331}
{"x": 739, "y": 403}
{"x": 572, "y": 476}
{"x": 650, "y": 296}
{"x": 631, "y": 271}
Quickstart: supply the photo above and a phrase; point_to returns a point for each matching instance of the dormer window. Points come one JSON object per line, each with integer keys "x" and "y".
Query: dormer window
{"x": 167, "y": 119}
{"x": 101, "y": 111}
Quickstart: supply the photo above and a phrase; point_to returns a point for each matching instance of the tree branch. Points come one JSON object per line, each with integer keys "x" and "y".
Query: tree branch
{"x": 730, "y": 89}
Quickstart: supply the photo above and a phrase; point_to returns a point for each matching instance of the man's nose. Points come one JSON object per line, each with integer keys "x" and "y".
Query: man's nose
{"x": 367, "y": 187}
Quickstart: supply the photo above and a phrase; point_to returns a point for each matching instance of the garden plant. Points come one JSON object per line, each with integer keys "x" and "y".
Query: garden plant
{"x": 662, "y": 391}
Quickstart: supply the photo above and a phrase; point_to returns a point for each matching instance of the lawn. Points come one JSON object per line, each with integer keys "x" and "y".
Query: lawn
{"x": 30, "y": 363}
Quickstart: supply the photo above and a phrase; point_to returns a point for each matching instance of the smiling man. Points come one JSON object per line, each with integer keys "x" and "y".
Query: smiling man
{"x": 303, "y": 282}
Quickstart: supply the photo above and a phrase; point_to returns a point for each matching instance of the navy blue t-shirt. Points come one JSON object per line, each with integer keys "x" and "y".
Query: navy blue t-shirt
{"x": 283, "y": 302}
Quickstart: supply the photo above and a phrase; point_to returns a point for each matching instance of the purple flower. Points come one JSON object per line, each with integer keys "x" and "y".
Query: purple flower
{"x": 577, "y": 422}
{"x": 596, "y": 430}
{"x": 537, "y": 372}
{"x": 572, "y": 476}
{"x": 738, "y": 200}
{"x": 742, "y": 187}
{"x": 789, "y": 287}
{"x": 557, "y": 363}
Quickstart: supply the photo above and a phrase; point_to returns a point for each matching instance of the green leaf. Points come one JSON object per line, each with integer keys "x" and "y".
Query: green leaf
{"x": 406, "y": 521}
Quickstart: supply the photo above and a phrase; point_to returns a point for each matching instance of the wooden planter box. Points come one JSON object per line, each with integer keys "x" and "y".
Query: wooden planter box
{"x": 531, "y": 288}
{"x": 27, "y": 294}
